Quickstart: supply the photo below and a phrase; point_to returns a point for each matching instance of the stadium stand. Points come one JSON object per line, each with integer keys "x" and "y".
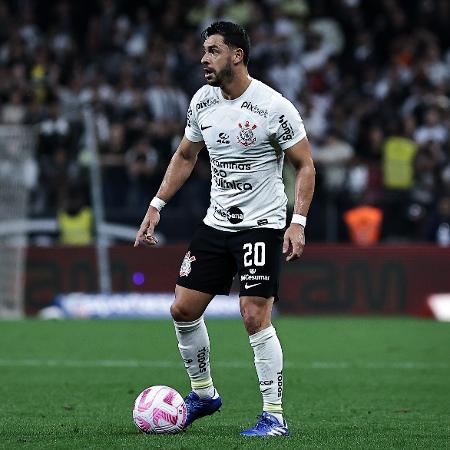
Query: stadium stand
{"x": 371, "y": 79}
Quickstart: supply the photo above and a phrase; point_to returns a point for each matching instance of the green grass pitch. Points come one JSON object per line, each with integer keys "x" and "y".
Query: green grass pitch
{"x": 349, "y": 383}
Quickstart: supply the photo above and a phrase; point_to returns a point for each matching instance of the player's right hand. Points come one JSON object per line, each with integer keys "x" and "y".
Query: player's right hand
{"x": 145, "y": 235}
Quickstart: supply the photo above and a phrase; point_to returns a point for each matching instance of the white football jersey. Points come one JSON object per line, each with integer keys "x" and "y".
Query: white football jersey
{"x": 246, "y": 138}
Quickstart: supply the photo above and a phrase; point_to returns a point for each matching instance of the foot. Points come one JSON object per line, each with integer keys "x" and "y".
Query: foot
{"x": 199, "y": 407}
{"x": 267, "y": 425}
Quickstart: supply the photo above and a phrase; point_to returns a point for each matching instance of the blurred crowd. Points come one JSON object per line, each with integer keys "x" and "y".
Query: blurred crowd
{"x": 370, "y": 79}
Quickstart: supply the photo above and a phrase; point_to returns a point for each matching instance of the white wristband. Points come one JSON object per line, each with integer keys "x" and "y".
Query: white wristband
{"x": 158, "y": 203}
{"x": 298, "y": 218}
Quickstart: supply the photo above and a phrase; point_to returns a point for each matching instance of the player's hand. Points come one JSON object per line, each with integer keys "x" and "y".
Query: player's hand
{"x": 294, "y": 241}
{"x": 145, "y": 235}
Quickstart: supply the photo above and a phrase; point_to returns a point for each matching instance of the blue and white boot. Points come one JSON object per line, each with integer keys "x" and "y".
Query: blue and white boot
{"x": 199, "y": 407}
{"x": 267, "y": 425}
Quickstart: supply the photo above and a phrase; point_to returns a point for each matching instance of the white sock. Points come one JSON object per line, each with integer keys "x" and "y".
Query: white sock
{"x": 269, "y": 367}
{"x": 193, "y": 342}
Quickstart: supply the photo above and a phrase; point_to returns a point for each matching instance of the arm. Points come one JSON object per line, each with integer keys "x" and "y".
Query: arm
{"x": 178, "y": 171}
{"x": 300, "y": 157}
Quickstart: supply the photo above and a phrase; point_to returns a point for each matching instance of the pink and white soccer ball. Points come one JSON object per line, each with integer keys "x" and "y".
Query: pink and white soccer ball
{"x": 159, "y": 409}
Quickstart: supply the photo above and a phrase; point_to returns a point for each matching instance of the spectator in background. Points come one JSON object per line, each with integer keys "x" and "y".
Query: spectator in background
{"x": 112, "y": 161}
{"x": 75, "y": 219}
{"x": 333, "y": 156}
{"x": 14, "y": 111}
{"x": 399, "y": 154}
{"x": 287, "y": 75}
{"x": 364, "y": 224}
{"x": 364, "y": 65}
{"x": 316, "y": 52}
{"x": 54, "y": 130}
{"x": 168, "y": 105}
{"x": 433, "y": 130}
{"x": 142, "y": 167}
{"x": 439, "y": 224}
{"x": 429, "y": 163}
{"x": 56, "y": 161}
{"x": 398, "y": 168}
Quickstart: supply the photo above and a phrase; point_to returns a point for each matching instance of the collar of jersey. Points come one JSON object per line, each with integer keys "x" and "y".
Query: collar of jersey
{"x": 250, "y": 86}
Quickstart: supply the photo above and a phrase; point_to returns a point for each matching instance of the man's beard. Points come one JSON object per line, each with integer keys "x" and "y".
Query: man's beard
{"x": 223, "y": 77}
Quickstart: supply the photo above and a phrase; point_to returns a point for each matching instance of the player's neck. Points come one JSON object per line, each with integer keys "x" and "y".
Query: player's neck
{"x": 237, "y": 87}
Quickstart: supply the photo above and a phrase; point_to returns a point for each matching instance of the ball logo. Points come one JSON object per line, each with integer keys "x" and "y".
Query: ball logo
{"x": 246, "y": 136}
{"x": 169, "y": 397}
{"x": 159, "y": 414}
{"x": 185, "y": 269}
{"x": 143, "y": 403}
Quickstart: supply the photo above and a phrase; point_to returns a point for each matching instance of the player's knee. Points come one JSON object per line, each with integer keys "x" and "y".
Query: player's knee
{"x": 180, "y": 314}
{"x": 253, "y": 322}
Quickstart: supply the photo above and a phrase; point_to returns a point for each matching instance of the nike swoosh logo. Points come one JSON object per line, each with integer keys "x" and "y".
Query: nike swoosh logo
{"x": 248, "y": 286}
{"x": 205, "y": 127}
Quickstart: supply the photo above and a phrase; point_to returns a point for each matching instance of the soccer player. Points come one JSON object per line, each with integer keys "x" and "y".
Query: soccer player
{"x": 247, "y": 128}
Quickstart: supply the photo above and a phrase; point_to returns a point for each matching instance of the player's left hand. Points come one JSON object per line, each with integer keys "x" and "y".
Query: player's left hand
{"x": 294, "y": 241}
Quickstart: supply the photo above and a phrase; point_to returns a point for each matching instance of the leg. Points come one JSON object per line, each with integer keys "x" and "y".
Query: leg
{"x": 193, "y": 340}
{"x": 256, "y": 312}
{"x": 189, "y": 305}
{"x": 258, "y": 257}
{"x": 207, "y": 269}
{"x": 193, "y": 343}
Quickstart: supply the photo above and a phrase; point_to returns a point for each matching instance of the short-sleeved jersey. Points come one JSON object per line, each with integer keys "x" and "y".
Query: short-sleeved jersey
{"x": 246, "y": 138}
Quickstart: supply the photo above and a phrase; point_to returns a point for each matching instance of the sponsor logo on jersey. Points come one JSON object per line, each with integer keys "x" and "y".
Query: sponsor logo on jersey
{"x": 230, "y": 165}
{"x": 262, "y": 222}
{"x": 219, "y": 175}
{"x": 236, "y": 185}
{"x": 189, "y": 117}
{"x": 255, "y": 109}
{"x": 233, "y": 215}
{"x": 185, "y": 269}
{"x": 224, "y": 138}
{"x": 206, "y": 103}
{"x": 246, "y": 136}
{"x": 288, "y": 131}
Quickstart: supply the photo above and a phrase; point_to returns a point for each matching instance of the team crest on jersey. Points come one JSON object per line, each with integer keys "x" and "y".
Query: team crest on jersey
{"x": 246, "y": 136}
{"x": 185, "y": 269}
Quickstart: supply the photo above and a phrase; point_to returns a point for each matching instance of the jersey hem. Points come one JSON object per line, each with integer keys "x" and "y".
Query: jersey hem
{"x": 192, "y": 139}
{"x": 234, "y": 230}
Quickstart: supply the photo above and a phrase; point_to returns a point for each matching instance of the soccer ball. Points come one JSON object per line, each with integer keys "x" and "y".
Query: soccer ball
{"x": 159, "y": 409}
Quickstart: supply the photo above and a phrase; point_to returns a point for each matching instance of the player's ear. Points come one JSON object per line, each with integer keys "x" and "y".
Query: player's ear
{"x": 238, "y": 55}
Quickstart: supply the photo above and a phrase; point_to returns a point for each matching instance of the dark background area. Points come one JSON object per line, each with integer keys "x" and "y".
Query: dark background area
{"x": 370, "y": 79}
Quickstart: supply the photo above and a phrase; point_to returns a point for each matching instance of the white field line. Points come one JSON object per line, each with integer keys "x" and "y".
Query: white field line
{"x": 129, "y": 363}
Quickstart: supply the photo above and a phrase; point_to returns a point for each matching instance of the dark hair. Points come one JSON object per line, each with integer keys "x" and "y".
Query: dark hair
{"x": 233, "y": 35}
